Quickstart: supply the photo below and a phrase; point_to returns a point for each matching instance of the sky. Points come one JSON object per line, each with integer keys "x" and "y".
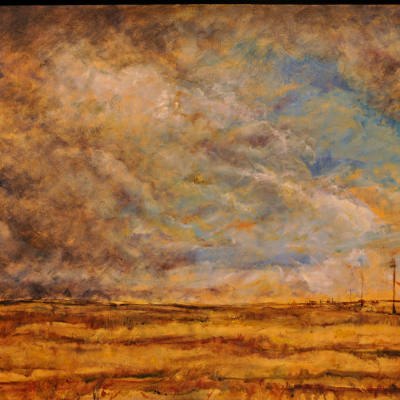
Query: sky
{"x": 199, "y": 154}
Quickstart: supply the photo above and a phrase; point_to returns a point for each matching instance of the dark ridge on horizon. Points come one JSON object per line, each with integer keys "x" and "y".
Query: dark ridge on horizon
{"x": 193, "y": 306}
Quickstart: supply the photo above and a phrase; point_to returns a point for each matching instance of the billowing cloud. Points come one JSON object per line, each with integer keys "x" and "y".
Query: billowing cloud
{"x": 202, "y": 153}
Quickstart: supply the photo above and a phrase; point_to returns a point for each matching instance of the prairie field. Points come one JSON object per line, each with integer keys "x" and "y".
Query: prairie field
{"x": 61, "y": 350}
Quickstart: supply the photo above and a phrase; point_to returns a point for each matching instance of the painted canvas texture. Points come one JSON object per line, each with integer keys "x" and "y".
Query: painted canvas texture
{"x": 199, "y": 202}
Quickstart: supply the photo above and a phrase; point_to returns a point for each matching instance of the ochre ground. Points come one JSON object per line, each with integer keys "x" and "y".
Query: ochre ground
{"x": 94, "y": 351}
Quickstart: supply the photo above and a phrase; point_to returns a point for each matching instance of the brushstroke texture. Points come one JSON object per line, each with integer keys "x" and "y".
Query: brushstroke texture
{"x": 208, "y": 154}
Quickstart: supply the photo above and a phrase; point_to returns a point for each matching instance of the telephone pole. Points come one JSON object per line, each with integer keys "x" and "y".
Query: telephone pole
{"x": 362, "y": 288}
{"x": 393, "y": 265}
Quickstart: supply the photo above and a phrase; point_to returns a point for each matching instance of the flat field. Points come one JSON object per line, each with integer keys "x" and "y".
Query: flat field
{"x": 62, "y": 350}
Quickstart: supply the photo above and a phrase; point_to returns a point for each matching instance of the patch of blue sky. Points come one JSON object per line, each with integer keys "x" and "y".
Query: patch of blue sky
{"x": 370, "y": 132}
{"x": 321, "y": 75}
{"x": 286, "y": 258}
{"x": 345, "y": 130}
{"x": 378, "y": 119}
{"x": 348, "y": 138}
{"x": 239, "y": 257}
{"x": 323, "y": 104}
{"x": 292, "y": 104}
{"x": 199, "y": 234}
{"x": 326, "y": 163}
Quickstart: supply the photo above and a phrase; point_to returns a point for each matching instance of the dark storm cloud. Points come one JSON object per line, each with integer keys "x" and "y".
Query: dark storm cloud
{"x": 132, "y": 137}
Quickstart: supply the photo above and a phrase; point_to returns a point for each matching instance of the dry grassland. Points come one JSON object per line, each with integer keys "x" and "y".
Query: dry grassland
{"x": 94, "y": 351}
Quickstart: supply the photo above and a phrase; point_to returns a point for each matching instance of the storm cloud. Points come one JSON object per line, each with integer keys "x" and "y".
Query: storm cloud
{"x": 197, "y": 153}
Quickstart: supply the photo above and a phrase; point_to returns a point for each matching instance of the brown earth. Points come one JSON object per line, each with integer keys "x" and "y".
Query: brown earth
{"x": 61, "y": 350}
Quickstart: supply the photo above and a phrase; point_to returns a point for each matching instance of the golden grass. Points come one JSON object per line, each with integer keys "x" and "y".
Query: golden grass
{"x": 67, "y": 351}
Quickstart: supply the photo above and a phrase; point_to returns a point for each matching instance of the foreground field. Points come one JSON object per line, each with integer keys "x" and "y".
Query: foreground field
{"x": 95, "y": 351}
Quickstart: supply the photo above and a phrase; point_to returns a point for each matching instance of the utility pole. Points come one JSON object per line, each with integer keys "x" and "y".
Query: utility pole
{"x": 362, "y": 288}
{"x": 393, "y": 265}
